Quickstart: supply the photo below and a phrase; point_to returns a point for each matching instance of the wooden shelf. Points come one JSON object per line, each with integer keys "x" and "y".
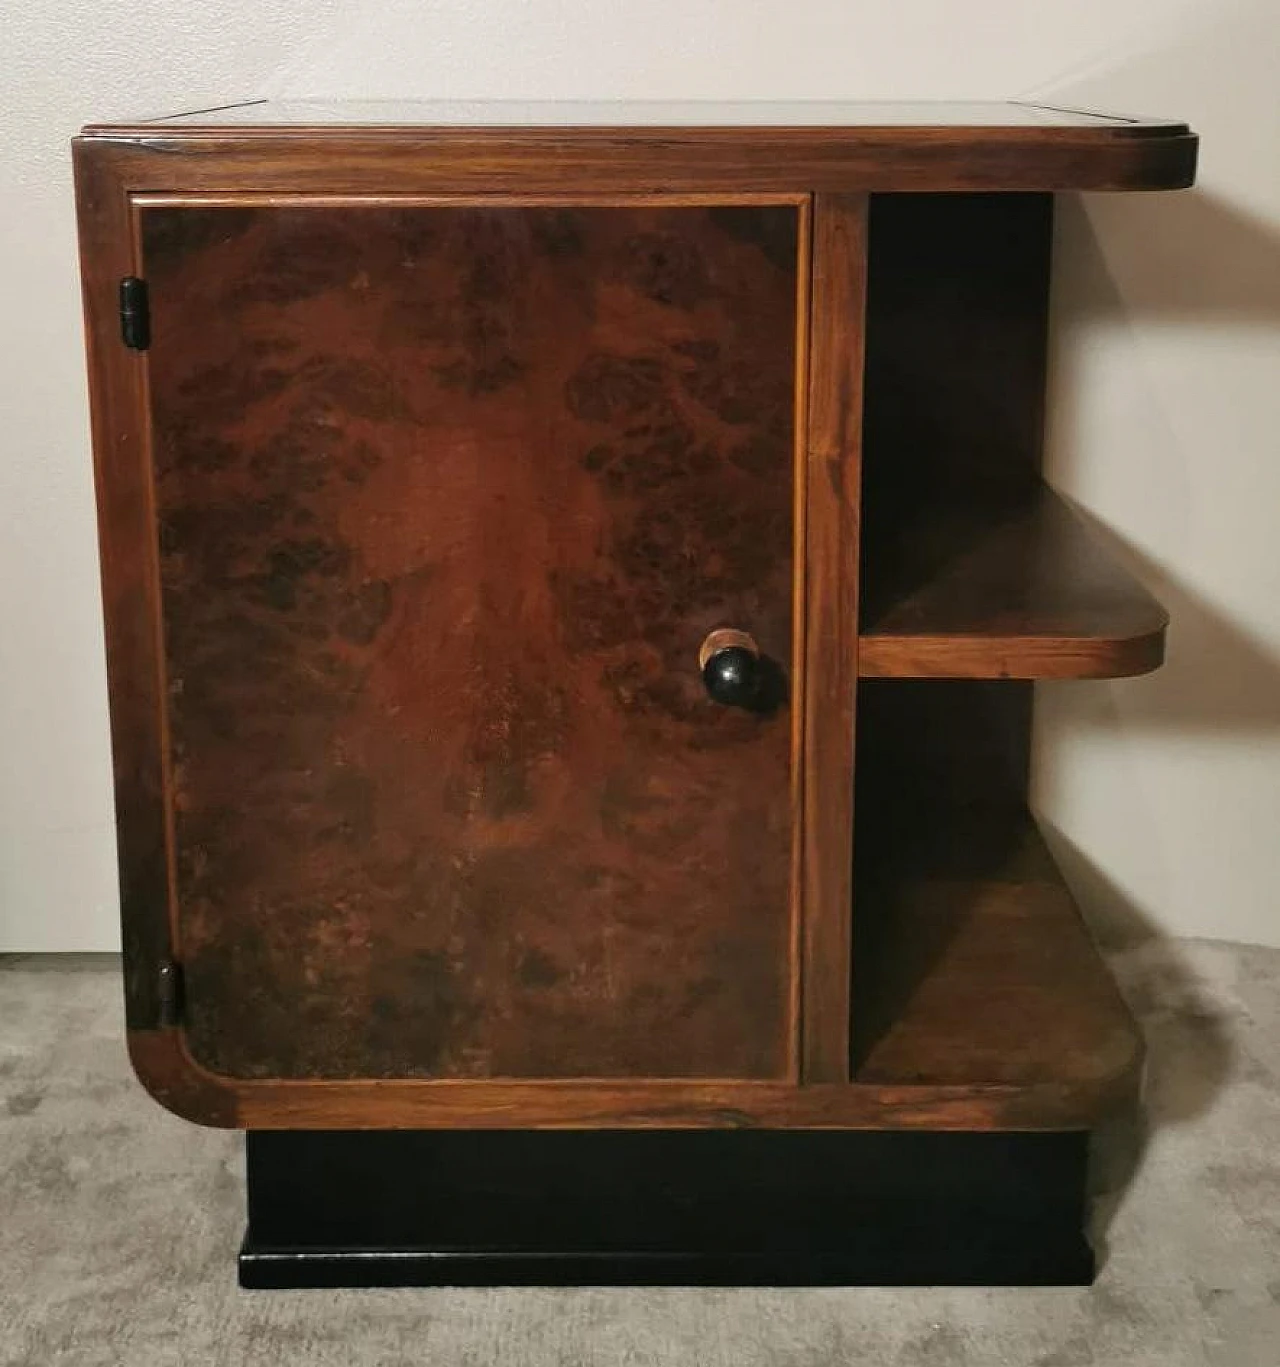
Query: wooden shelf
{"x": 1024, "y": 593}
{"x": 975, "y": 967}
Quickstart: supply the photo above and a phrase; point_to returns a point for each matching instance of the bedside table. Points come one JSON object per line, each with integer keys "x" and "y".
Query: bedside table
{"x": 573, "y": 577}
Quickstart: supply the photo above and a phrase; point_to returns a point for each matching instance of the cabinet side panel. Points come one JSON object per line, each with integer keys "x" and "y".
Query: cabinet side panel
{"x": 127, "y": 551}
{"x": 448, "y": 500}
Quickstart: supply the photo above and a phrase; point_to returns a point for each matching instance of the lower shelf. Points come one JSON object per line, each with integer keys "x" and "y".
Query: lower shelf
{"x": 973, "y": 966}
{"x": 971, "y": 963}
{"x": 459, "y": 1208}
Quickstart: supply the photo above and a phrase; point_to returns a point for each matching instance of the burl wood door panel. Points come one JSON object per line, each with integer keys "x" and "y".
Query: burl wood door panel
{"x": 448, "y": 498}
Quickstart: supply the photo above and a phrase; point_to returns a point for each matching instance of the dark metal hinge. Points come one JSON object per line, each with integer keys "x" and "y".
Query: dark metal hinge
{"x": 135, "y": 313}
{"x": 169, "y": 992}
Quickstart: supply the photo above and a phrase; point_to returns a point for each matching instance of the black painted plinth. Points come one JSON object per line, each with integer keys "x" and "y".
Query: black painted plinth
{"x": 692, "y": 1207}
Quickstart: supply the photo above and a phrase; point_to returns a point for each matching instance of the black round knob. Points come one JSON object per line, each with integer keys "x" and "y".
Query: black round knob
{"x": 731, "y": 673}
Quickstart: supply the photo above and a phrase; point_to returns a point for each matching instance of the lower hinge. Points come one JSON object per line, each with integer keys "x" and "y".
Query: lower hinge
{"x": 169, "y": 992}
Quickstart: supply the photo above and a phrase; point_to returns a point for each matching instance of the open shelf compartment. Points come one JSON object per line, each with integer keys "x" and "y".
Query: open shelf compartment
{"x": 972, "y": 966}
{"x": 971, "y": 568}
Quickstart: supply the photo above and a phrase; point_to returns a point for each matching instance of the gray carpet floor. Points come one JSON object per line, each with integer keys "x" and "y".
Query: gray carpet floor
{"x": 119, "y": 1223}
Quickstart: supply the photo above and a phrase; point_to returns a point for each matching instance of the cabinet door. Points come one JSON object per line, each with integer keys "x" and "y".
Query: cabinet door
{"x": 449, "y": 498}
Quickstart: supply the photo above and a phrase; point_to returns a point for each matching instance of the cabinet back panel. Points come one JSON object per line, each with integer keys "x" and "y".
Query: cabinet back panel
{"x": 448, "y": 498}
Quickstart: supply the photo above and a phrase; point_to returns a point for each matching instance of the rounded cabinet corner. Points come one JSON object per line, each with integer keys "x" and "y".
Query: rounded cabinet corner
{"x": 165, "y": 1068}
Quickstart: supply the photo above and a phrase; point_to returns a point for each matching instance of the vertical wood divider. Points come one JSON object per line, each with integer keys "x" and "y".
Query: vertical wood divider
{"x": 833, "y": 477}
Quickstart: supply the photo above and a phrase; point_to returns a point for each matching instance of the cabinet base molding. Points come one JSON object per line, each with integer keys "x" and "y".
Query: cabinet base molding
{"x": 674, "y": 1207}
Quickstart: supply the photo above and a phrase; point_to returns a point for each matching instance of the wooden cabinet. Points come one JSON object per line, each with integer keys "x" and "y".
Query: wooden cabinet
{"x": 499, "y": 510}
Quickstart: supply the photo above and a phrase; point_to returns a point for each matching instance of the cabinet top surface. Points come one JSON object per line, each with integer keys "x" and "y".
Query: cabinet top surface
{"x": 831, "y": 114}
{"x": 600, "y": 147}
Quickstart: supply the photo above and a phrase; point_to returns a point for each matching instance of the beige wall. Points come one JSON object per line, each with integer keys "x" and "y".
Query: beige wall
{"x": 1164, "y": 792}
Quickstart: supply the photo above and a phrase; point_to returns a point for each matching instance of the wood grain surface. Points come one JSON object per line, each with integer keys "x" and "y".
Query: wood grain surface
{"x": 333, "y": 158}
{"x": 831, "y": 624}
{"x": 1014, "y": 592}
{"x": 160, "y": 1058}
{"x": 413, "y": 521}
{"x": 127, "y": 556}
{"x": 447, "y": 500}
{"x": 984, "y": 971}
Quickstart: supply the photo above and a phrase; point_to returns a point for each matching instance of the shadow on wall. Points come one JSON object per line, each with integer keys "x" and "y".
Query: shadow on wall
{"x": 1190, "y": 1053}
{"x": 1189, "y": 256}
{"x": 1219, "y": 677}
{"x": 1198, "y": 258}
{"x": 1167, "y": 312}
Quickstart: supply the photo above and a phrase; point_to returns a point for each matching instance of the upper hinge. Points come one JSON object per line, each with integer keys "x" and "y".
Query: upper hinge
{"x": 135, "y": 313}
{"x": 169, "y": 992}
